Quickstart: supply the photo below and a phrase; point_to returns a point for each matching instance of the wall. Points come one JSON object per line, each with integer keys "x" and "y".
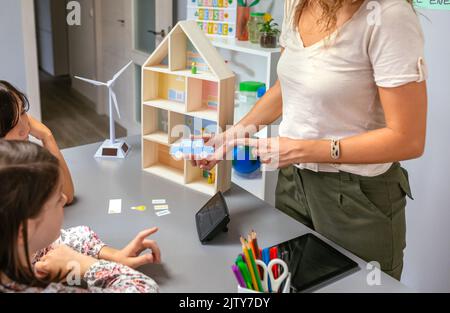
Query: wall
{"x": 427, "y": 260}
{"x": 18, "y": 57}
{"x": 173, "y": 82}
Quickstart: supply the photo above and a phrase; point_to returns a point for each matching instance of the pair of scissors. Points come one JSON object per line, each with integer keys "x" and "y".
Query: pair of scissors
{"x": 275, "y": 283}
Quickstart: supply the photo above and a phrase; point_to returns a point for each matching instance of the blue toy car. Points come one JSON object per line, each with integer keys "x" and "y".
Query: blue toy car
{"x": 195, "y": 148}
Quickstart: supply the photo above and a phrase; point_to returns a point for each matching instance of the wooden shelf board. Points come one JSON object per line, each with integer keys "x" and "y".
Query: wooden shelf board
{"x": 210, "y": 115}
{"x": 158, "y": 137}
{"x": 167, "y": 105}
{"x": 201, "y": 185}
{"x": 170, "y": 173}
{"x": 185, "y": 73}
{"x": 158, "y": 68}
{"x": 200, "y": 75}
{"x": 177, "y": 107}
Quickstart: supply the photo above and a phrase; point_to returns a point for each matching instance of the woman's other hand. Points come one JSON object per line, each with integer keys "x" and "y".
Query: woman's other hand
{"x": 275, "y": 153}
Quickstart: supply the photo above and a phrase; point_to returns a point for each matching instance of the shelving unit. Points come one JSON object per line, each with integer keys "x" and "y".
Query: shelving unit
{"x": 172, "y": 88}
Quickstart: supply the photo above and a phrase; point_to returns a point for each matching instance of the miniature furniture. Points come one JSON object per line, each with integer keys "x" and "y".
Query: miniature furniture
{"x": 174, "y": 96}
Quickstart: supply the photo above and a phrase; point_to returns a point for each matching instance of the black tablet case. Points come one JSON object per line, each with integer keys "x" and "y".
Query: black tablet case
{"x": 212, "y": 219}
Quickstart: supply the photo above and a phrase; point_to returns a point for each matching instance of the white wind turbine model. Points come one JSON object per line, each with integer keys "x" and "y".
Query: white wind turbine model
{"x": 111, "y": 148}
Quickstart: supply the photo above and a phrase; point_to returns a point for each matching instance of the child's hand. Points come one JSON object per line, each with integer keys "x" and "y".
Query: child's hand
{"x": 131, "y": 254}
{"x": 39, "y": 130}
{"x": 62, "y": 260}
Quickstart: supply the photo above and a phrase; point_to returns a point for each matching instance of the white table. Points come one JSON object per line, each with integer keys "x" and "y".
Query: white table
{"x": 188, "y": 266}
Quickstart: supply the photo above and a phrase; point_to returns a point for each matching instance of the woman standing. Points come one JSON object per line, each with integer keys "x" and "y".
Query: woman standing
{"x": 352, "y": 96}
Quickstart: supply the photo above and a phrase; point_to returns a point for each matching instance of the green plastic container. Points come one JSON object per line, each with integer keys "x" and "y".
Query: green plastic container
{"x": 247, "y": 97}
{"x": 250, "y": 86}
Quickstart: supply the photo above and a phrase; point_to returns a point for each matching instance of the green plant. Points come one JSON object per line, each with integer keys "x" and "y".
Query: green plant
{"x": 269, "y": 28}
{"x": 244, "y": 3}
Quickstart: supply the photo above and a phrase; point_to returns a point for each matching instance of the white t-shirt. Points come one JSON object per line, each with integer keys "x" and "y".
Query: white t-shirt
{"x": 330, "y": 89}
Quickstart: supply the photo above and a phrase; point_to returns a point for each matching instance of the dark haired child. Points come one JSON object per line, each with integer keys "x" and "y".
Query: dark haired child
{"x": 31, "y": 215}
{"x": 17, "y": 124}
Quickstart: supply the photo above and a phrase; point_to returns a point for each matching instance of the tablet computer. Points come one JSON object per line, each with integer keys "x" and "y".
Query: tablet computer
{"x": 313, "y": 263}
{"x": 212, "y": 219}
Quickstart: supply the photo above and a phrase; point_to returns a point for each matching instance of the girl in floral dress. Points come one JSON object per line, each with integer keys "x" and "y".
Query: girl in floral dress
{"x": 36, "y": 255}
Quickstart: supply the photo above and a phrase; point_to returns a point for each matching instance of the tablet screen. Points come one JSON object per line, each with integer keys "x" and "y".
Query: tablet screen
{"x": 312, "y": 262}
{"x": 211, "y": 215}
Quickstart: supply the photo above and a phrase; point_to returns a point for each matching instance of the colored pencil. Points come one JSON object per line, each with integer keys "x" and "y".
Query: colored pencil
{"x": 246, "y": 274}
{"x": 274, "y": 255}
{"x": 255, "y": 244}
{"x": 239, "y": 277}
{"x": 255, "y": 269}
{"x": 252, "y": 246}
{"x": 247, "y": 253}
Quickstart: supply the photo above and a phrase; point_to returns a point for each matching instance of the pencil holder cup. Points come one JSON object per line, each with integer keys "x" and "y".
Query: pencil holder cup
{"x": 286, "y": 288}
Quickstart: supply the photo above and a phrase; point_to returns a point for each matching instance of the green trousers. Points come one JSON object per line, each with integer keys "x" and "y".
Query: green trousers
{"x": 365, "y": 215}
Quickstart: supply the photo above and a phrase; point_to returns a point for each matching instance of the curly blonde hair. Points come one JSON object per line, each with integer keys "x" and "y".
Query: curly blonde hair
{"x": 329, "y": 8}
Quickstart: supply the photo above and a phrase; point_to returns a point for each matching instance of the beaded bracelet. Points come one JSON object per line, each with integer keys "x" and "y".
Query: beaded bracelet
{"x": 335, "y": 149}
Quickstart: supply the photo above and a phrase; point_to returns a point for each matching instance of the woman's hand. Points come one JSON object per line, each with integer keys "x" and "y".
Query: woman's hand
{"x": 38, "y": 129}
{"x": 61, "y": 261}
{"x": 277, "y": 152}
{"x": 131, "y": 254}
{"x": 217, "y": 141}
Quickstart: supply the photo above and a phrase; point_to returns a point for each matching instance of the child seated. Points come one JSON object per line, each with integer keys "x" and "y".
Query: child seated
{"x": 31, "y": 216}
{"x": 16, "y": 124}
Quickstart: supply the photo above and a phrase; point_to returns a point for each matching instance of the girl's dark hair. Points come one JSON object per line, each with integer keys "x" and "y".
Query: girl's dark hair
{"x": 29, "y": 175}
{"x": 13, "y": 104}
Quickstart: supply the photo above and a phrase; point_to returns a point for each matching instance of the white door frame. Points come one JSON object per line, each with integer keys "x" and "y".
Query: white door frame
{"x": 31, "y": 59}
{"x": 100, "y": 106}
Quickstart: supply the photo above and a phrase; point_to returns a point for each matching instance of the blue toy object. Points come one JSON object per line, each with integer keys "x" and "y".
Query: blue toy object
{"x": 243, "y": 162}
{"x": 188, "y": 147}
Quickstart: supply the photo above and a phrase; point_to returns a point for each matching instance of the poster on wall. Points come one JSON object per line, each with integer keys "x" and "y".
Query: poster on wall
{"x": 432, "y": 4}
{"x": 215, "y": 17}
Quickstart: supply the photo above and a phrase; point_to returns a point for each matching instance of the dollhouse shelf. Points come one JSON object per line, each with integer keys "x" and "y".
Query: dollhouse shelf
{"x": 172, "y": 95}
{"x": 169, "y": 173}
{"x": 185, "y": 73}
{"x": 158, "y": 137}
{"x": 207, "y": 114}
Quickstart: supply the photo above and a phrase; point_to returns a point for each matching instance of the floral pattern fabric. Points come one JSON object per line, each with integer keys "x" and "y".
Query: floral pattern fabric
{"x": 102, "y": 277}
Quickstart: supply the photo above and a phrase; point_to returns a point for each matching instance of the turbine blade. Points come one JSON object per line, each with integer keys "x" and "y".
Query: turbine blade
{"x": 121, "y": 71}
{"x": 114, "y": 98}
{"x": 93, "y": 82}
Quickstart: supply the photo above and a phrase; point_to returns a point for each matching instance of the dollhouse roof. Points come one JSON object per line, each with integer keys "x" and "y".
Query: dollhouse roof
{"x": 207, "y": 51}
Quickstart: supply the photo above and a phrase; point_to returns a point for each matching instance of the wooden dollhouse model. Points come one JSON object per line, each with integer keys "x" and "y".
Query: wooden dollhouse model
{"x": 174, "y": 94}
